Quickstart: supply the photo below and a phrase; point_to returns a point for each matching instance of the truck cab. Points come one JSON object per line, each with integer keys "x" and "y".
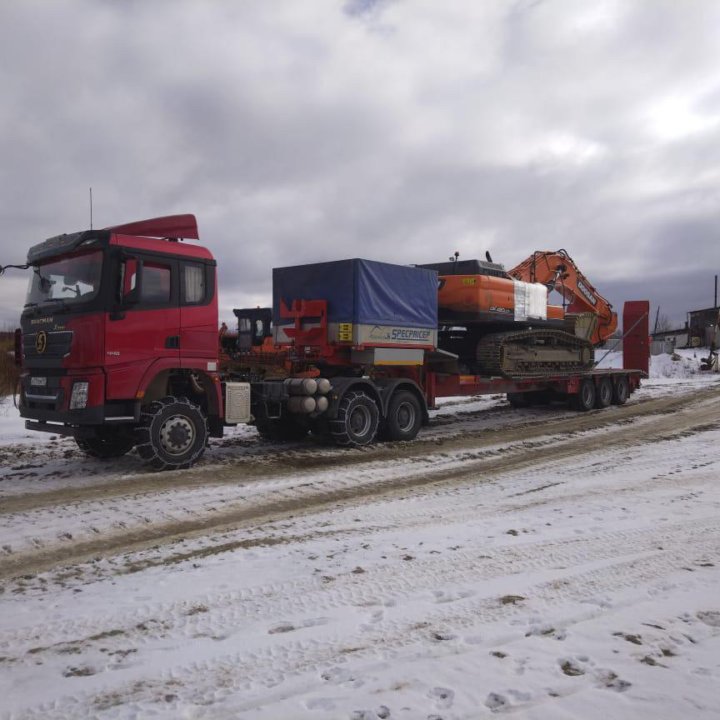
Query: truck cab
{"x": 116, "y": 321}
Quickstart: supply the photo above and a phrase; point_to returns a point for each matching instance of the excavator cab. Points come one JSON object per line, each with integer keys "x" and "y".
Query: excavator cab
{"x": 254, "y": 326}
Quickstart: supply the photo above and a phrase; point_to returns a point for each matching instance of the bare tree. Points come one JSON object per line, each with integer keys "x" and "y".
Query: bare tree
{"x": 663, "y": 324}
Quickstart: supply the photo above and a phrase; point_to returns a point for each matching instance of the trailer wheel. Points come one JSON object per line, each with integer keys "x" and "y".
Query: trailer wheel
{"x": 281, "y": 430}
{"x": 604, "y": 393}
{"x": 621, "y": 391}
{"x": 357, "y": 420}
{"x": 404, "y": 417}
{"x": 107, "y": 443}
{"x": 172, "y": 434}
{"x": 585, "y": 399}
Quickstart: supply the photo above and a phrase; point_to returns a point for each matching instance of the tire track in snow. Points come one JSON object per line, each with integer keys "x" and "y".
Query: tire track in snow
{"x": 266, "y": 603}
{"x": 572, "y": 595}
{"x": 298, "y": 461}
{"x": 308, "y": 499}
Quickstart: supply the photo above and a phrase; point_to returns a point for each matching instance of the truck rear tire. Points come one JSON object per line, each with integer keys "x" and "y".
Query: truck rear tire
{"x": 585, "y": 398}
{"x": 621, "y": 391}
{"x": 357, "y": 420}
{"x": 604, "y": 393}
{"x": 172, "y": 434}
{"x": 404, "y": 417}
{"x": 107, "y": 443}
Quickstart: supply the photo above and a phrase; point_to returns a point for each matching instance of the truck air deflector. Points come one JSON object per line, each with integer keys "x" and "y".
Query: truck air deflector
{"x": 169, "y": 226}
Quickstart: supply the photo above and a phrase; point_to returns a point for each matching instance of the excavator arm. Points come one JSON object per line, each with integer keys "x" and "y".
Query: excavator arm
{"x": 558, "y": 271}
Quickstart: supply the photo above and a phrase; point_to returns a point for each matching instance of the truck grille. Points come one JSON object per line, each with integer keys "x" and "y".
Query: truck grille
{"x": 55, "y": 347}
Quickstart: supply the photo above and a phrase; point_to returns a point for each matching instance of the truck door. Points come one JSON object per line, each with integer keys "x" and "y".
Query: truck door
{"x": 145, "y": 326}
{"x": 198, "y": 313}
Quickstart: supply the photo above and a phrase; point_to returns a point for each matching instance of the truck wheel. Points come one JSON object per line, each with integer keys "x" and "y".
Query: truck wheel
{"x": 280, "y": 429}
{"x": 621, "y": 391}
{"x": 585, "y": 399}
{"x": 172, "y": 434}
{"x": 357, "y": 420}
{"x": 107, "y": 443}
{"x": 604, "y": 394}
{"x": 404, "y": 417}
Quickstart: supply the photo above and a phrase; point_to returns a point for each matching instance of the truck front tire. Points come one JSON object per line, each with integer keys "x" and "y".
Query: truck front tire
{"x": 357, "y": 420}
{"x": 172, "y": 434}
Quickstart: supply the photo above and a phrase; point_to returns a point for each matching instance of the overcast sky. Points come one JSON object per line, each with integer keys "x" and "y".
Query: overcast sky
{"x": 395, "y": 130}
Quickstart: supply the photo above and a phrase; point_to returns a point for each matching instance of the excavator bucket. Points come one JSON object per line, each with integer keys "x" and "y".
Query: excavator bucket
{"x": 582, "y": 325}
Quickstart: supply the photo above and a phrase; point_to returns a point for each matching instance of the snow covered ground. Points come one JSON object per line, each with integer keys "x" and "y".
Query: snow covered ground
{"x": 542, "y": 563}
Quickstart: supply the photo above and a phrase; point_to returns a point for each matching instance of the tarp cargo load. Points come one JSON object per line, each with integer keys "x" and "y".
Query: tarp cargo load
{"x": 369, "y": 303}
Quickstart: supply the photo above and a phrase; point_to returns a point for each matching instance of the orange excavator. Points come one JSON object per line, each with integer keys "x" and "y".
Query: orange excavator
{"x": 501, "y": 323}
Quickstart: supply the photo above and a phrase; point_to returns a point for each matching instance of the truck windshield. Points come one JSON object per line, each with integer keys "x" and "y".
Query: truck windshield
{"x": 74, "y": 278}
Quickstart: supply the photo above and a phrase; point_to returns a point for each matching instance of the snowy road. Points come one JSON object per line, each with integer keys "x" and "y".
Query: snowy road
{"x": 541, "y": 562}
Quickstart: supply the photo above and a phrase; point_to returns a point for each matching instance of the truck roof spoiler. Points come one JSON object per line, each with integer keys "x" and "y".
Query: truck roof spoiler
{"x": 170, "y": 226}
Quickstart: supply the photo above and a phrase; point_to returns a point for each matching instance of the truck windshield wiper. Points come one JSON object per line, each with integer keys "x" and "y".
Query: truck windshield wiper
{"x": 62, "y": 301}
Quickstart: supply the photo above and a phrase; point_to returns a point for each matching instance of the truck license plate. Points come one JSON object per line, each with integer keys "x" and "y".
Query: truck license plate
{"x": 38, "y": 381}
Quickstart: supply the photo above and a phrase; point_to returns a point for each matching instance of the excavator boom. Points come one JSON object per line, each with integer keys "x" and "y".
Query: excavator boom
{"x": 557, "y": 270}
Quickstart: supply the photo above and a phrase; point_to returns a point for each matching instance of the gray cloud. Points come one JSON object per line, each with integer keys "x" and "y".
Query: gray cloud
{"x": 392, "y": 130}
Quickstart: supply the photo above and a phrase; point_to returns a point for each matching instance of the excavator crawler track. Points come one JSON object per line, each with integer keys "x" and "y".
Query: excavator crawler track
{"x": 528, "y": 353}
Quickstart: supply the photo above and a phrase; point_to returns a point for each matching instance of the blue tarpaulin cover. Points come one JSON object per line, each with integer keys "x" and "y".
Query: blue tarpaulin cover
{"x": 361, "y": 292}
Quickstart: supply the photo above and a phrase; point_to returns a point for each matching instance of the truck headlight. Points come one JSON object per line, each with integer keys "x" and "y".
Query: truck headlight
{"x": 79, "y": 396}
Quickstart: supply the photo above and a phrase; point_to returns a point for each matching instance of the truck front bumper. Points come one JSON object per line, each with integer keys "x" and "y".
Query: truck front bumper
{"x": 63, "y": 403}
